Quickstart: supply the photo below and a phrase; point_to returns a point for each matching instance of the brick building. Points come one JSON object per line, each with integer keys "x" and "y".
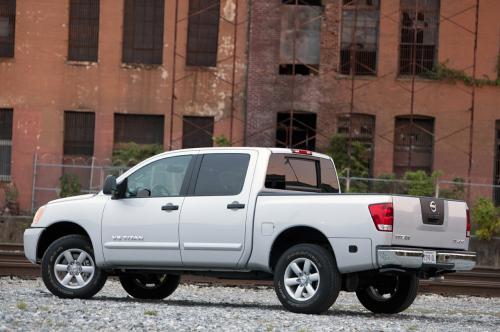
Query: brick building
{"x": 78, "y": 77}
{"x": 367, "y": 69}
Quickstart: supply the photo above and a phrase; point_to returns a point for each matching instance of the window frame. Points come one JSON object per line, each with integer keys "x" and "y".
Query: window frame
{"x": 92, "y": 25}
{"x": 123, "y": 184}
{"x": 8, "y": 143}
{"x": 351, "y": 7}
{"x": 197, "y": 169}
{"x": 8, "y": 44}
{"x": 78, "y": 113}
{"x": 189, "y": 120}
{"x": 120, "y": 119}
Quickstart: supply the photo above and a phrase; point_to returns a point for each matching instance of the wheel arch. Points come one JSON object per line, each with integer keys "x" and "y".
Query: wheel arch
{"x": 56, "y": 231}
{"x": 297, "y": 235}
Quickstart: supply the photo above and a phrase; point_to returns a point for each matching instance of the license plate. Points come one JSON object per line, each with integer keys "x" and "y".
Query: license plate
{"x": 429, "y": 257}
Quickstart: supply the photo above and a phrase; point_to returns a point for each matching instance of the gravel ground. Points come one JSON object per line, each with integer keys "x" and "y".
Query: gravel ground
{"x": 26, "y": 305}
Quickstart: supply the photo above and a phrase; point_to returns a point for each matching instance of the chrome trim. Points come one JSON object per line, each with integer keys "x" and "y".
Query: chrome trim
{"x": 212, "y": 246}
{"x": 141, "y": 245}
{"x": 413, "y": 258}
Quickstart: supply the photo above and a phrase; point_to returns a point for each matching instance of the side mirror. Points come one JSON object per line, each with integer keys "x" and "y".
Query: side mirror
{"x": 109, "y": 187}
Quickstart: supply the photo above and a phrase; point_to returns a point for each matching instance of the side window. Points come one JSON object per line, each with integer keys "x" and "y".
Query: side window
{"x": 162, "y": 178}
{"x": 329, "y": 181}
{"x": 222, "y": 174}
{"x": 288, "y": 172}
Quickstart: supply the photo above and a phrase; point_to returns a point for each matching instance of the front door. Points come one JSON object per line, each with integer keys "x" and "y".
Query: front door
{"x": 214, "y": 214}
{"x": 140, "y": 226}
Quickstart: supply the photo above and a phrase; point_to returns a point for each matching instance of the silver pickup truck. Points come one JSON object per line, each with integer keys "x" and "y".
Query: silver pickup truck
{"x": 250, "y": 213}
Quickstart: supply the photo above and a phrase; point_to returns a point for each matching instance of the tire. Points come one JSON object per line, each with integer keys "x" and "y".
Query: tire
{"x": 150, "y": 286}
{"x": 389, "y": 294}
{"x": 323, "y": 279}
{"x": 79, "y": 278}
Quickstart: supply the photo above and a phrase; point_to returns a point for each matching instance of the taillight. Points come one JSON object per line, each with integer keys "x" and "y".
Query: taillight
{"x": 299, "y": 151}
{"x": 467, "y": 229}
{"x": 383, "y": 216}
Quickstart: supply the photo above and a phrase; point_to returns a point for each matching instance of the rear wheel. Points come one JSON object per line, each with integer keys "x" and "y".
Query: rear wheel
{"x": 388, "y": 294}
{"x": 150, "y": 286}
{"x": 69, "y": 269}
{"x": 306, "y": 279}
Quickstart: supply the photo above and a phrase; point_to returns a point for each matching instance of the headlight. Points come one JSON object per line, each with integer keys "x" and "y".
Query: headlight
{"x": 38, "y": 215}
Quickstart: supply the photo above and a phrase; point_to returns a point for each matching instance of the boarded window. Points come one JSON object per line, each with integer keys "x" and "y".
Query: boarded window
{"x": 5, "y": 143}
{"x": 197, "y": 131}
{"x": 203, "y": 33}
{"x": 362, "y": 130}
{"x": 496, "y": 192}
{"x": 360, "y": 21}
{"x": 419, "y": 36}
{"x": 83, "y": 41}
{"x": 79, "y": 133}
{"x": 140, "y": 129}
{"x": 143, "y": 32}
{"x": 7, "y": 28}
{"x": 300, "y": 37}
{"x": 302, "y": 130}
{"x": 413, "y": 144}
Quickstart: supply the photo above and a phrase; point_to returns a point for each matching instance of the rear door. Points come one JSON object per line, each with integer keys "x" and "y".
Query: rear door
{"x": 429, "y": 222}
{"x": 214, "y": 215}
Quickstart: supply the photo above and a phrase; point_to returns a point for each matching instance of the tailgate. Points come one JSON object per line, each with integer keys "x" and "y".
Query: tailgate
{"x": 429, "y": 222}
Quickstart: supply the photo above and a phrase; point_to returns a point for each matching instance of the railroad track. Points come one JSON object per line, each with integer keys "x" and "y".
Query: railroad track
{"x": 480, "y": 281}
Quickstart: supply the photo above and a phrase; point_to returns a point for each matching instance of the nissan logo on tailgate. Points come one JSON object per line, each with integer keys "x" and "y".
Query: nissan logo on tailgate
{"x": 433, "y": 207}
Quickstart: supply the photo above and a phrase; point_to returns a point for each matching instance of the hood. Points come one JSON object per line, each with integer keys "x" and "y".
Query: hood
{"x": 72, "y": 198}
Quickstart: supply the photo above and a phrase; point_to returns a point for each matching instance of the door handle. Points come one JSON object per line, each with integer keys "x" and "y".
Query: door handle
{"x": 235, "y": 206}
{"x": 170, "y": 207}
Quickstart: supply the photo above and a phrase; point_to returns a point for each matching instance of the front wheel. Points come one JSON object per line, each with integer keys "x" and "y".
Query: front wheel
{"x": 150, "y": 286}
{"x": 69, "y": 269}
{"x": 306, "y": 279}
{"x": 389, "y": 294}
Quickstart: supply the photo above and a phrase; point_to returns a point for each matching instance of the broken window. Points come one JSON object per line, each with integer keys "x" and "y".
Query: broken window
{"x": 300, "y": 37}
{"x": 140, "y": 129}
{"x": 413, "y": 144}
{"x": 7, "y": 28}
{"x": 203, "y": 33}
{"x": 5, "y": 143}
{"x": 83, "y": 41}
{"x": 496, "y": 192}
{"x": 362, "y": 130}
{"x": 79, "y": 133}
{"x": 197, "y": 131}
{"x": 302, "y": 130}
{"x": 143, "y": 32}
{"x": 419, "y": 36}
{"x": 360, "y": 20}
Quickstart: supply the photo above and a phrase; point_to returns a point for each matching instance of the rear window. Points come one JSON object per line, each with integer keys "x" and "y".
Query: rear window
{"x": 222, "y": 174}
{"x": 289, "y": 172}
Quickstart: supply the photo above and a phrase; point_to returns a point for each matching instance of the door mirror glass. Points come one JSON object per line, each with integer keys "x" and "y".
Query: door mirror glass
{"x": 109, "y": 187}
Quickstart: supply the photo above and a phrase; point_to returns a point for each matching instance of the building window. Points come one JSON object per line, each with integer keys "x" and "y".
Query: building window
{"x": 300, "y": 37}
{"x": 5, "y": 143}
{"x": 362, "y": 130}
{"x": 79, "y": 133}
{"x": 7, "y": 28}
{"x": 197, "y": 131}
{"x": 413, "y": 144}
{"x": 143, "y": 32}
{"x": 203, "y": 33}
{"x": 83, "y": 41}
{"x": 140, "y": 129}
{"x": 302, "y": 131}
{"x": 360, "y": 20}
{"x": 419, "y": 36}
{"x": 496, "y": 193}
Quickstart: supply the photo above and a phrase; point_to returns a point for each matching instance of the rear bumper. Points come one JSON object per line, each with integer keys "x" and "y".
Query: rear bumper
{"x": 31, "y": 237}
{"x": 412, "y": 258}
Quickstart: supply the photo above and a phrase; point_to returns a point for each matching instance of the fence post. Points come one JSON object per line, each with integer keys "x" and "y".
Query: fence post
{"x": 91, "y": 174}
{"x": 437, "y": 189}
{"x": 33, "y": 186}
